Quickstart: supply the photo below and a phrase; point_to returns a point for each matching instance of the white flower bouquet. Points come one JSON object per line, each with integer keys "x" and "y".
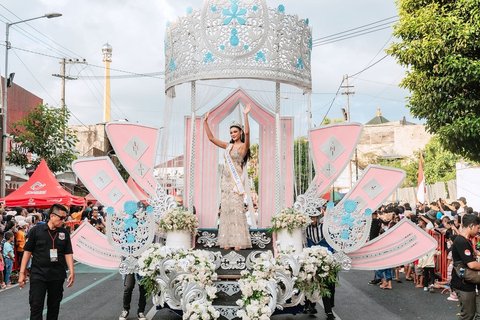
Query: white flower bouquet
{"x": 254, "y": 287}
{"x": 198, "y": 268}
{"x": 289, "y": 219}
{"x": 178, "y": 219}
{"x": 318, "y": 270}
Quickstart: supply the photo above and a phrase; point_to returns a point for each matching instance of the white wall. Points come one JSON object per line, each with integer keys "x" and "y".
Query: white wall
{"x": 468, "y": 184}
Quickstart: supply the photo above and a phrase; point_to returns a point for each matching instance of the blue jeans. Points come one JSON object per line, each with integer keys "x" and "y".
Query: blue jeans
{"x": 8, "y": 269}
{"x": 384, "y": 274}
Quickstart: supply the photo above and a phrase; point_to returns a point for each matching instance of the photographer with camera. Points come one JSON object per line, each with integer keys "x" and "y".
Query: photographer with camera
{"x": 463, "y": 255}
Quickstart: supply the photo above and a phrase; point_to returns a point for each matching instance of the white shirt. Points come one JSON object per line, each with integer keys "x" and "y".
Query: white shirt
{"x": 252, "y": 219}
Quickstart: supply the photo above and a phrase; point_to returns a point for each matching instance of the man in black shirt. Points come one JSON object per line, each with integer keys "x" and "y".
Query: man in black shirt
{"x": 462, "y": 252}
{"x": 51, "y": 251}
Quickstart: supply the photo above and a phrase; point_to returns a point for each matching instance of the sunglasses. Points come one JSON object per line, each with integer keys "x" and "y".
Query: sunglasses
{"x": 60, "y": 217}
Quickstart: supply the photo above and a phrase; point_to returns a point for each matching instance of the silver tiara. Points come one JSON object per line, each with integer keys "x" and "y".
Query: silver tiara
{"x": 236, "y": 124}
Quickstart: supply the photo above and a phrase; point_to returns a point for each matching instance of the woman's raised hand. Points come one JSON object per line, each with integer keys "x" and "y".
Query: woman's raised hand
{"x": 206, "y": 116}
{"x": 247, "y": 109}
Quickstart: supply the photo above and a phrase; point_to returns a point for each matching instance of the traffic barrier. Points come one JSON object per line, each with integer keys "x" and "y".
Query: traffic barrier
{"x": 441, "y": 261}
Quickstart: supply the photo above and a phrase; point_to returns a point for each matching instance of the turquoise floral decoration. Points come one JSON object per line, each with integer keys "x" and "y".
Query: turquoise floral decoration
{"x": 234, "y": 40}
{"x": 350, "y": 206}
{"x": 260, "y": 56}
{"x": 110, "y": 211}
{"x": 130, "y": 207}
{"x": 130, "y": 223}
{"x": 300, "y": 65}
{"x": 208, "y": 57}
{"x": 348, "y": 220}
{"x": 171, "y": 65}
{"x": 234, "y": 14}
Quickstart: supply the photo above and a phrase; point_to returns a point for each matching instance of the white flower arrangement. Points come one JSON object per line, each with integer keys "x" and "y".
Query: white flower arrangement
{"x": 178, "y": 219}
{"x": 289, "y": 219}
{"x": 198, "y": 267}
{"x": 318, "y": 270}
{"x": 253, "y": 285}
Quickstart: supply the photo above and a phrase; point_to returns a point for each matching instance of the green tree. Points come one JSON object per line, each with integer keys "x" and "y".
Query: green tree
{"x": 440, "y": 47}
{"x": 409, "y": 165}
{"x": 44, "y": 132}
{"x": 253, "y": 170}
{"x": 301, "y": 165}
{"x": 439, "y": 162}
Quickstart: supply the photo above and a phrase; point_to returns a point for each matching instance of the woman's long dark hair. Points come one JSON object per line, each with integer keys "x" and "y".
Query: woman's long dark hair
{"x": 242, "y": 139}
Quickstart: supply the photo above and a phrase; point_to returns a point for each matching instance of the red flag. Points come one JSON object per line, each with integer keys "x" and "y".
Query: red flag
{"x": 421, "y": 189}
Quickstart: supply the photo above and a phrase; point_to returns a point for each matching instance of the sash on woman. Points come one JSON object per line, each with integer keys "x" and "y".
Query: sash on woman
{"x": 231, "y": 166}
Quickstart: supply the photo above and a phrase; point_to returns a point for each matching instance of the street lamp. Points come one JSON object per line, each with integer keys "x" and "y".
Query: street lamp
{"x": 5, "y": 101}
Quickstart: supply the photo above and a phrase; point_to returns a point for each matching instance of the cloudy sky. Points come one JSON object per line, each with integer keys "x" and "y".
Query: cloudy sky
{"x": 135, "y": 29}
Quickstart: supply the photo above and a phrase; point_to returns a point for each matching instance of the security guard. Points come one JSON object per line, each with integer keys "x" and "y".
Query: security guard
{"x": 50, "y": 246}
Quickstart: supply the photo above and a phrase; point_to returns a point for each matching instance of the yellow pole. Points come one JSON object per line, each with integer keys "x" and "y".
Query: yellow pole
{"x": 107, "y": 58}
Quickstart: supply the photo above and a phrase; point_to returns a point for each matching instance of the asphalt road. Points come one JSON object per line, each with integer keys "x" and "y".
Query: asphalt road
{"x": 97, "y": 295}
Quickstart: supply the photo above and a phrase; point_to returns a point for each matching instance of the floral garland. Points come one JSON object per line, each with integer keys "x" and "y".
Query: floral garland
{"x": 318, "y": 270}
{"x": 198, "y": 267}
{"x": 290, "y": 219}
{"x": 178, "y": 219}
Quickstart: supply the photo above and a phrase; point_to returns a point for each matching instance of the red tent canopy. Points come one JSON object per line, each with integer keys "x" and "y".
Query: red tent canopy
{"x": 42, "y": 190}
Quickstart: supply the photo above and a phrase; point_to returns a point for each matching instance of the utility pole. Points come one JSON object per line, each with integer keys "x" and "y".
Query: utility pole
{"x": 64, "y": 77}
{"x": 347, "y": 92}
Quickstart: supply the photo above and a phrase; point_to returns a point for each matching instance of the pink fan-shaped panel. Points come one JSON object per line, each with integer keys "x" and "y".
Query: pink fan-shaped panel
{"x": 332, "y": 148}
{"x": 402, "y": 244}
{"x": 92, "y": 248}
{"x": 102, "y": 179}
{"x": 136, "y": 147}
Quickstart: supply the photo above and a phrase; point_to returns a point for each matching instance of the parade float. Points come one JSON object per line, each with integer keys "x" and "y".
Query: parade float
{"x": 219, "y": 58}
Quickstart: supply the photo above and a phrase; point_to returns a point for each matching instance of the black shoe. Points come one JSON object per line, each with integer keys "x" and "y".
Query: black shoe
{"x": 375, "y": 281}
{"x": 312, "y": 309}
{"x": 330, "y": 316}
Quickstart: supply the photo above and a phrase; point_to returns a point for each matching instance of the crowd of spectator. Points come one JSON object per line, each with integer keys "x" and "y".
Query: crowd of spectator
{"x": 15, "y": 224}
{"x": 442, "y": 220}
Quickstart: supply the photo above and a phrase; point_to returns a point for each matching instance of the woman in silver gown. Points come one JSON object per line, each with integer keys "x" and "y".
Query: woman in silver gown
{"x": 233, "y": 229}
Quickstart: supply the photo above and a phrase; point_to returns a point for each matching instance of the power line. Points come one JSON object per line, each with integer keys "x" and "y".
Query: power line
{"x": 36, "y": 39}
{"x": 44, "y": 89}
{"x": 368, "y": 67}
{"x": 380, "y": 50}
{"x": 130, "y": 72}
{"x": 34, "y": 52}
{"x": 349, "y": 37}
{"x": 157, "y": 75}
{"x": 333, "y": 100}
{"x": 353, "y": 29}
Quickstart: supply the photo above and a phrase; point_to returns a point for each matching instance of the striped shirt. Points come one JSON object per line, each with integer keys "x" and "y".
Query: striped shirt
{"x": 314, "y": 233}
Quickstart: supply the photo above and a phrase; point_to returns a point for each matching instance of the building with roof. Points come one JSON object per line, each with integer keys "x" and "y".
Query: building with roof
{"x": 385, "y": 139}
{"x": 20, "y": 103}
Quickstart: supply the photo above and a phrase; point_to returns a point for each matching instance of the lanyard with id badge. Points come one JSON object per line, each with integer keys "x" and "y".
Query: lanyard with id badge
{"x": 53, "y": 251}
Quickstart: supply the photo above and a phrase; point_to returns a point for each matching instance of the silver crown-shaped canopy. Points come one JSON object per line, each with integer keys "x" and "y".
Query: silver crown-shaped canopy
{"x": 230, "y": 39}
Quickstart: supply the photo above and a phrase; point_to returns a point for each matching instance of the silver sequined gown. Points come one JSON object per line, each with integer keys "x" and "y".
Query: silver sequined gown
{"x": 233, "y": 229}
